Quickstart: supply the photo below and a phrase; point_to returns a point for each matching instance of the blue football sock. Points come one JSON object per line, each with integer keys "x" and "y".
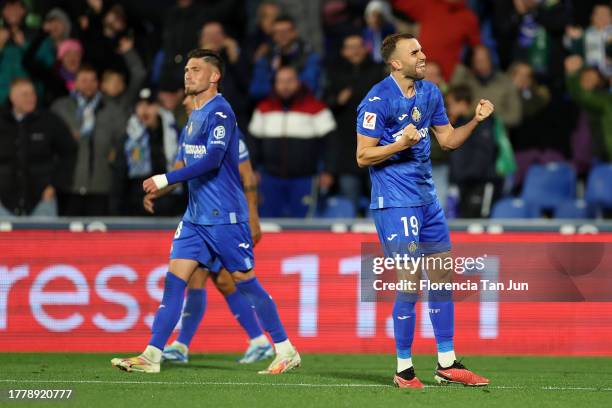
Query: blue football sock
{"x": 169, "y": 311}
{"x": 194, "y": 309}
{"x": 264, "y": 307}
{"x": 404, "y": 322}
{"x": 442, "y": 316}
{"x": 243, "y": 312}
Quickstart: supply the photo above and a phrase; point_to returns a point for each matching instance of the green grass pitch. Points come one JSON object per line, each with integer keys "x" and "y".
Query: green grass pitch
{"x": 216, "y": 380}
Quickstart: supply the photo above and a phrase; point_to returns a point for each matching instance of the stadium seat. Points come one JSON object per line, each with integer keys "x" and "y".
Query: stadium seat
{"x": 599, "y": 187}
{"x": 572, "y": 209}
{"x": 511, "y": 208}
{"x": 548, "y": 185}
{"x": 338, "y": 207}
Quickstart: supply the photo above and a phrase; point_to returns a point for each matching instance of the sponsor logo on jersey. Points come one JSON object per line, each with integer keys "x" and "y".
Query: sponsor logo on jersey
{"x": 423, "y": 133}
{"x": 224, "y": 116}
{"x": 369, "y": 120}
{"x": 374, "y": 98}
{"x": 195, "y": 150}
{"x": 404, "y": 116}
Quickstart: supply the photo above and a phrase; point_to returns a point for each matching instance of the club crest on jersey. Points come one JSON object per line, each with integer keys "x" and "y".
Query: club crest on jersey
{"x": 190, "y": 128}
{"x": 412, "y": 247}
{"x": 416, "y": 114}
{"x": 369, "y": 120}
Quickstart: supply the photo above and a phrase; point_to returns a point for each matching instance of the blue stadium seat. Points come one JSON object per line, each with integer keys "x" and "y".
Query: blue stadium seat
{"x": 599, "y": 187}
{"x": 338, "y": 207}
{"x": 511, "y": 208}
{"x": 549, "y": 184}
{"x": 572, "y": 209}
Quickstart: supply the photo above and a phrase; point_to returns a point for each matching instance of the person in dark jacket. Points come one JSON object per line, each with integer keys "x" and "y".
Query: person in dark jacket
{"x": 472, "y": 166}
{"x": 289, "y": 129}
{"x": 349, "y": 81}
{"x": 288, "y": 49}
{"x": 98, "y": 125}
{"x": 37, "y": 155}
{"x": 235, "y": 82}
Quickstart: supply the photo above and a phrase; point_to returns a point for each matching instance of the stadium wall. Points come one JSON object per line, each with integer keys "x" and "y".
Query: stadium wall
{"x": 97, "y": 291}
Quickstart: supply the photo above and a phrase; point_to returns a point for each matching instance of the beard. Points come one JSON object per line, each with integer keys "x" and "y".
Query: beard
{"x": 414, "y": 75}
{"x": 192, "y": 90}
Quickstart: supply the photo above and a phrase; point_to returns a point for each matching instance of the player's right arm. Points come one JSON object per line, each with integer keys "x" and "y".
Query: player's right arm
{"x": 370, "y": 154}
{"x": 147, "y": 201}
{"x": 371, "y": 117}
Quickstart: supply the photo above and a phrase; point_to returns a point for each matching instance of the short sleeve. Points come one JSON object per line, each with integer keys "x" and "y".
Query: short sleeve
{"x": 439, "y": 117}
{"x": 221, "y": 125}
{"x": 371, "y": 114}
{"x": 243, "y": 151}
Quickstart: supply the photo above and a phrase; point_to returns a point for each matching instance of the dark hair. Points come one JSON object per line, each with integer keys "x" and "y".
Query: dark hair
{"x": 461, "y": 93}
{"x": 390, "y": 42}
{"x": 87, "y": 68}
{"x": 284, "y": 18}
{"x": 21, "y": 80}
{"x": 210, "y": 57}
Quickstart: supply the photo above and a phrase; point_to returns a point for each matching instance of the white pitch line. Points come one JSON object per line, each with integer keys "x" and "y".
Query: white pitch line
{"x": 495, "y": 387}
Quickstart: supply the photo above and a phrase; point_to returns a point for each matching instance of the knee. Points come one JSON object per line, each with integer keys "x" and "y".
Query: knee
{"x": 225, "y": 284}
{"x": 242, "y": 276}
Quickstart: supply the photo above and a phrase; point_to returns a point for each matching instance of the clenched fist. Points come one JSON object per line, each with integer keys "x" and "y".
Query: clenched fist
{"x": 484, "y": 109}
{"x": 410, "y": 136}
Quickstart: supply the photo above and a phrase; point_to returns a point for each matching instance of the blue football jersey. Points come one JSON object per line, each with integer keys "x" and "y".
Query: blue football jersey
{"x": 216, "y": 197}
{"x": 403, "y": 180}
{"x": 243, "y": 150}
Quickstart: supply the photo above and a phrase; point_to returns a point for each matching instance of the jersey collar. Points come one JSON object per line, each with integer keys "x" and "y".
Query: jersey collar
{"x": 207, "y": 102}
{"x": 399, "y": 89}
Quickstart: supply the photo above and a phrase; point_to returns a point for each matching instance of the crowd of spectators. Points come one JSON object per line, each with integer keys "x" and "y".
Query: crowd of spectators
{"x": 92, "y": 95}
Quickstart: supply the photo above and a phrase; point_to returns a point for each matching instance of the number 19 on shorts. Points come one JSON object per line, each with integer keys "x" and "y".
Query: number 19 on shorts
{"x": 411, "y": 226}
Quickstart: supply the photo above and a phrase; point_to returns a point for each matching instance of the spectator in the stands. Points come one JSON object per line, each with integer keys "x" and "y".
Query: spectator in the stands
{"x": 534, "y": 99}
{"x": 101, "y": 33}
{"x": 307, "y": 15}
{"x": 379, "y": 24}
{"x": 235, "y": 80}
{"x": 259, "y": 43}
{"x": 532, "y": 31}
{"x": 446, "y": 26}
{"x": 97, "y": 126}
{"x": 592, "y": 42}
{"x": 37, "y": 155}
{"x": 170, "y": 97}
{"x": 592, "y": 94}
{"x": 472, "y": 166}
{"x": 149, "y": 147}
{"x": 14, "y": 37}
{"x": 114, "y": 83}
{"x": 350, "y": 79}
{"x": 485, "y": 82}
{"x": 181, "y": 25}
{"x": 288, "y": 49}
{"x": 289, "y": 129}
{"x": 57, "y": 79}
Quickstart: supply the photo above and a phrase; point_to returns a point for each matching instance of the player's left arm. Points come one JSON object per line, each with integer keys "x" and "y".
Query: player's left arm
{"x": 221, "y": 124}
{"x": 451, "y": 138}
